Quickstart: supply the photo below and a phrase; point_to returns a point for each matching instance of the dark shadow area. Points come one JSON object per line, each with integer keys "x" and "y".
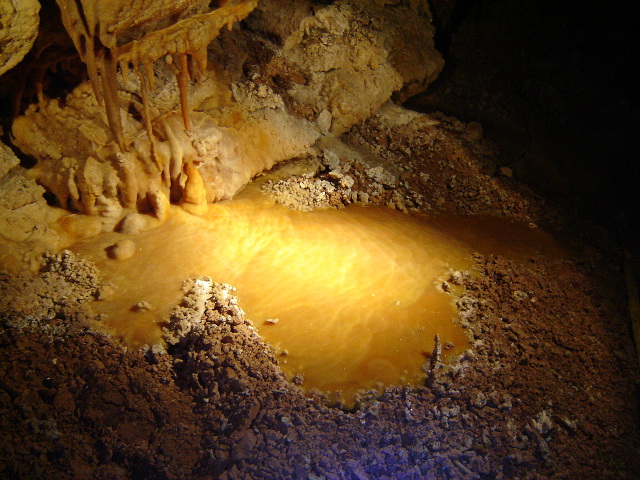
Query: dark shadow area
{"x": 554, "y": 85}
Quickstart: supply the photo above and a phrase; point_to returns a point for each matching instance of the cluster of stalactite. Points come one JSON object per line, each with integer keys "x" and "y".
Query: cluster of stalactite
{"x": 130, "y": 138}
{"x": 135, "y": 33}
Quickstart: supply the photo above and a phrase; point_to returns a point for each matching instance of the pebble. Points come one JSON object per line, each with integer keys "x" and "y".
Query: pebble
{"x": 122, "y": 250}
{"x": 142, "y": 306}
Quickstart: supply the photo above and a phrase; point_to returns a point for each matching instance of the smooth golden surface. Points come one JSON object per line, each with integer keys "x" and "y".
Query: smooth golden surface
{"x": 348, "y": 297}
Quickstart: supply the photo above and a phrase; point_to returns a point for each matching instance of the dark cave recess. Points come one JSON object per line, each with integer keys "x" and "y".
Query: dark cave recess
{"x": 554, "y": 85}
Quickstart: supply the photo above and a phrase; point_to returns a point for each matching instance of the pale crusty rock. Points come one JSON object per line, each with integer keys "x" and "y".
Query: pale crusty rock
{"x": 19, "y": 22}
{"x": 82, "y": 166}
{"x": 8, "y": 160}
{"x": 194, "y": 144}
{"x": 237, "y": 131}
{"x": 25, "y": 217}
{"x": 354, "y": 54}
{"x": 18, "y": 193}
{"x": 137, "y": 33}
{"x": 134, "y": 222}
{"x": 122, "y": 249}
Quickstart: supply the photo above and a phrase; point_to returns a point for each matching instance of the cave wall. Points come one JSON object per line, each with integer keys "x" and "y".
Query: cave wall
{"x": 249, "y": 97}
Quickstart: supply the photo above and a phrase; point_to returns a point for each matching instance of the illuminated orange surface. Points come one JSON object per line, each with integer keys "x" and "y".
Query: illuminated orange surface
{"x": 353, "y": 291}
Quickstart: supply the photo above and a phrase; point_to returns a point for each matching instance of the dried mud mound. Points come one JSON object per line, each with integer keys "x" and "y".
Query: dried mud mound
{"x": 548, "y": 391}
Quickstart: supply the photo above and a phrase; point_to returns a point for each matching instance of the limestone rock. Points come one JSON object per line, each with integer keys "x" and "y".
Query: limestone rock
{"x": 83, "y": 167}
{"x": 122, "y": 249}
{"x": 198, "y": 143}
{"x": 19, "y": 22}
{"x": 354, "y": 54}
{"x": 136, "y": 33}
{"x": 25, "y": 217}
{"x": 7, "y": 160}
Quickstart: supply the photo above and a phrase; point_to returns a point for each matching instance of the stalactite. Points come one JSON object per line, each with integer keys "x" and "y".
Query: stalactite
{"x": 102, "y": 33}
{"x": 150, "y": 74}
{"x": 108, "y": 73}
{"x": 177, "y": 152}
{"x": 90, "y": 60}
{"x": 126, "y": 73}
{"x": 183, "y": 84}
{"x": 200, "y": 58}
{"x": 94, "y": 27}
{"x": 146, "y": 114}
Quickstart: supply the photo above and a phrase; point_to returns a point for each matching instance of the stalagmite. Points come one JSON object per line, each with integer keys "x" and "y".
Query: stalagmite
{"x": 194, "y": 196}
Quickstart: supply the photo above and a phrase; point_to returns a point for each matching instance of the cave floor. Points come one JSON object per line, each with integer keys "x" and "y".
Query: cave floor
{"x": 548, "y": 389}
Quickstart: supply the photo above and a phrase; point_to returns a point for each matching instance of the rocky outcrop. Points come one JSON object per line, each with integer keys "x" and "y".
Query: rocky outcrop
{"x": 354, "y": 55}
{"x": 18, "y": 30}
{"x": 264, "y": 94}
{"x": 24, "y": 216}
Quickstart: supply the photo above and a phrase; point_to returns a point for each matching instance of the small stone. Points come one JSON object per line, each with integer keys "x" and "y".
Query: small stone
{"x": 380, "y": 175}
{"x": 324, "y": 121}
{"x": 106, "y": 292}
{"x": 506, "y": 172}
{"x": 133, "y": 223}
{"x": 122, "y": 250}
{"x": 478, "y": 399}
{"x": 473, "y": 132}
{"x": 520, "y": 295}
{"x": 543, "y": 423}
{"x": 262, "y": 91}
{"x": 457, "y": 278}
{"x": 363, "y": 197}
{"x": 142, "y": 306}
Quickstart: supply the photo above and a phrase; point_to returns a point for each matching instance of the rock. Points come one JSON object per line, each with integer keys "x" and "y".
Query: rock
{"x": 380, "y": 175}
{"x": 105, "y": 292}
{"x": 543, "y": 423}
{"x": 473, "y": 132}
{"x": 356, "y": 53}
{"x": 506, "y": 172}
{"x": 122, "y": 250}
{"x": 8, "y": 160}
{"x": 324, "y": 121}
{"x": 142, "y": 306}
{"x": 133, "y": 223}
{"x": 19, "y": 22}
